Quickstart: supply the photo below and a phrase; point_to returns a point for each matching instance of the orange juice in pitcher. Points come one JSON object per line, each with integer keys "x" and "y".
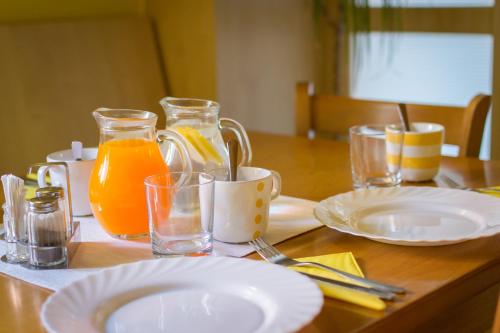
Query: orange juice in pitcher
{"x": 128, "y": 153}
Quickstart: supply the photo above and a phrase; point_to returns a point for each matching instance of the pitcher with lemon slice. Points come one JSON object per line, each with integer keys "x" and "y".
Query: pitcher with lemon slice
{"x": 198, "y": 122}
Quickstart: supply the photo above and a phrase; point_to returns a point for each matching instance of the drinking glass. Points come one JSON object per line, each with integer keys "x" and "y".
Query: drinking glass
{"x": 180, "y": 212}
{"x": 376, "y": 155}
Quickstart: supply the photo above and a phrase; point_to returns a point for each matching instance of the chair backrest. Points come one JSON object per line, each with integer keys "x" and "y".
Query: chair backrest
{"x": 331, "y": 116}
{"x": 496, "y": 321}
{"x": 55, "y": 74}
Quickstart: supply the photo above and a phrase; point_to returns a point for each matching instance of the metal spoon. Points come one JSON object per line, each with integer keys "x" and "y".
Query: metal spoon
{"x": 403, "y": 114}
{"x": 232, "y": 149}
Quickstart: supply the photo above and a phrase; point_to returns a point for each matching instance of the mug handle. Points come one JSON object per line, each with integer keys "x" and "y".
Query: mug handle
{"x": 41, "y": 175}
{"x": 241, "y": 134}
{"x": 179, "y": 143}
{"x": 42, "y": 169}
{"x": 275, "y": 192}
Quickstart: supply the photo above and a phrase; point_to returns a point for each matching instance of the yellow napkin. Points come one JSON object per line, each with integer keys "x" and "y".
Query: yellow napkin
{"x": 493, "y": 193}
{"x": 30, "y": 191}
{"x": 345, "y": 262}
{"x": 31, "y": 184}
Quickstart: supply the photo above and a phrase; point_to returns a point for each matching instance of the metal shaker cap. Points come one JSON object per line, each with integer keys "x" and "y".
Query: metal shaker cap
{"x": 43, "y": 204}
{"x": 50, "y": 191}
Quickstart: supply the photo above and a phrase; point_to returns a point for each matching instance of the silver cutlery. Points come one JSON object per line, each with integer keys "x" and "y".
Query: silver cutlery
{"x": 453, "y": 184}
{"x": 385, "y": 295}
{"x": 273, "y": 255}
{"x": 232, "y": 149}
{"x": 403, "y": 114}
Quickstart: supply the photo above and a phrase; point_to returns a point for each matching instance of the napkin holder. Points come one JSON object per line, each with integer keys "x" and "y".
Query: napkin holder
{"x": 73, "y": 233}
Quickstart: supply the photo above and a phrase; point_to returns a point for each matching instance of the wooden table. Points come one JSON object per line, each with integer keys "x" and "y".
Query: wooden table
{"x": 452, "y": 288}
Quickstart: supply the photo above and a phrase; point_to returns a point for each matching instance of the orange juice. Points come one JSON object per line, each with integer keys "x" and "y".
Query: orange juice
{"x": 117, "y": 193}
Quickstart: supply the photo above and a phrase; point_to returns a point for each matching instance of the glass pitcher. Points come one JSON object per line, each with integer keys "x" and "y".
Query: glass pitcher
{"x": 198, "y": 122}
{"x": 128, "y": 153}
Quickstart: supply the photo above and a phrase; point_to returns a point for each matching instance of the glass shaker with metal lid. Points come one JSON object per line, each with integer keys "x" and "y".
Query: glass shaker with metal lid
{"x": 46, "y": 232}
{"x": 64, "y": 203}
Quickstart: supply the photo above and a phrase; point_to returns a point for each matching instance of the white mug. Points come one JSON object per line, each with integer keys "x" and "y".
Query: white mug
{"x": 241, "y": 207}
{"x": 79, "y": 175}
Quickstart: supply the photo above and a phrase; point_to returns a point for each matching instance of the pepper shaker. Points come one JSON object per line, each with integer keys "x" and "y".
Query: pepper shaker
{"x": 46, "y": 225}
{"x": 58, "y": 193}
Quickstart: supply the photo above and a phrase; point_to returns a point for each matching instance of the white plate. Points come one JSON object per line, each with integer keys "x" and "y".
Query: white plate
{"x": 206, "y": 294}
{"x": 416, "y": 216}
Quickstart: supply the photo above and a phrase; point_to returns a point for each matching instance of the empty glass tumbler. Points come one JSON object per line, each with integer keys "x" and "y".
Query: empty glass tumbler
{"x": 376, "y": 155}
{"x": 180, "y": 213}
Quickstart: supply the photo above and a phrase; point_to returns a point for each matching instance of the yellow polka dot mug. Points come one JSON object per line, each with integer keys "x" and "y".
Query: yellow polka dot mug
{"x": 241, "y": 207}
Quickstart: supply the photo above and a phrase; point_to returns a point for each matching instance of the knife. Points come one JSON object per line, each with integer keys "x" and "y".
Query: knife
{"x": 385, "y": 295}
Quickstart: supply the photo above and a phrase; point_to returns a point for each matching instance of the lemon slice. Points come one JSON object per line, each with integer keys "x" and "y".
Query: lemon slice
{"x": 201, "y": 144}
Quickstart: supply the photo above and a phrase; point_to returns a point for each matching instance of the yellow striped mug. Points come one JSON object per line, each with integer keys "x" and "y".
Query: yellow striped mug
{"x": 421, "y": 151}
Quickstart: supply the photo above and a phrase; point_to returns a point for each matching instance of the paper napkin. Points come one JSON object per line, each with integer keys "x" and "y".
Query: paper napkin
{"x": 494, "y": 193}
{"x": 345, "y": 262}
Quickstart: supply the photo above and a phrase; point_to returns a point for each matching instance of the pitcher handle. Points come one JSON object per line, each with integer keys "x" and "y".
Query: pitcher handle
{"x": 241, "y": 134}
{"x": 180, "y": 145}
{"x": 42, "y": 175}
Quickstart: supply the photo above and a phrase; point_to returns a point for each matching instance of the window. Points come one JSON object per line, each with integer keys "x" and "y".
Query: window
{"x": 426, "y": 68}
{"x": 436, "y": 3}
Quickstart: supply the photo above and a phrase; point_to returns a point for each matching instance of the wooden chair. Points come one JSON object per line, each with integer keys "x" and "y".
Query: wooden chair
{"x": 496, "y": 321}
{"x": 331, "y": 116}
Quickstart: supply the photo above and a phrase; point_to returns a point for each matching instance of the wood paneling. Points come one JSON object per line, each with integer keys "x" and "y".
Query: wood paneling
{"x": 186, "y": 34}
{"x": 439, "y": 20}
{"x": 35, "y": 10}
{"x": 55, "y": 74}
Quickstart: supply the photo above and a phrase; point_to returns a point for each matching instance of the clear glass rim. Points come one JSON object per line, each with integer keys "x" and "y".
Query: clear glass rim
{"x": 357, "y": 129}
{"x": 149, "y": 181}
{"x": 190, "y": 105}
{"x": 123, "y": 118}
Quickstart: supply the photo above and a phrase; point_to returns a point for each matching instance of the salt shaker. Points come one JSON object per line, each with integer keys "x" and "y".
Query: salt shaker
{"x": 46, "y": 225}
{"x": 58, "y": 193}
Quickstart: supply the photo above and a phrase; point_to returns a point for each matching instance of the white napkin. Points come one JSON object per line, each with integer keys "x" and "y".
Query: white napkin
{"x": 288, "y": 217}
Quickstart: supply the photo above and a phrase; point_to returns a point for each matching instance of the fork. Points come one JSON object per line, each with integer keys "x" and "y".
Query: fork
{"x": 273, "y": 255}
{"x": 453, "y": 184}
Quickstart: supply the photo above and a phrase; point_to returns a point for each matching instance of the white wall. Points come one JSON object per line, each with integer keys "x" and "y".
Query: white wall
{"x": 263, "y": 47}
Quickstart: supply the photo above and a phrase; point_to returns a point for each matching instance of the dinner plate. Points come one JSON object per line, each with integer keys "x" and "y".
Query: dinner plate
{"x": 204, "y": 294}
{"x": 415, "y": 216}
